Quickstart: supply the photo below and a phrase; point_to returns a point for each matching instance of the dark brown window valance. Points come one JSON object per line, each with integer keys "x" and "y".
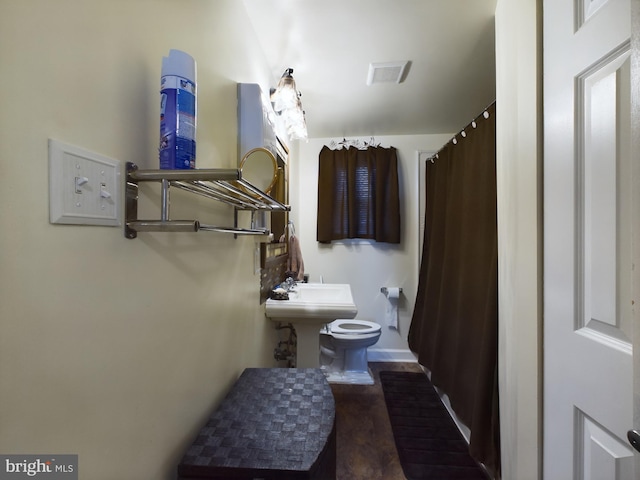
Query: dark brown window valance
{"x": 358, "y": 194}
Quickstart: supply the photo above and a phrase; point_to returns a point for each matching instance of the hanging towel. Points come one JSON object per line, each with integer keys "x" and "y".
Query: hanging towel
{"x": 296, "y": 264}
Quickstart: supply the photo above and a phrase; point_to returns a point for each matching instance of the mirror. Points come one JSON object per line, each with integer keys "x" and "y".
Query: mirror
{"x": 260, "y": 169}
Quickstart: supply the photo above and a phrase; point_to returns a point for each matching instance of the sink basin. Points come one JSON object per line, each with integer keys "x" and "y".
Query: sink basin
{"x": 316, "y": 303}
{"x": 311, "y": 305}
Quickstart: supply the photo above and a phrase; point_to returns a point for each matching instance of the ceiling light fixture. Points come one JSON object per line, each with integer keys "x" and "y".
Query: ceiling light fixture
{"x": 387, "y": 72}
{"x": 286, "y": 103}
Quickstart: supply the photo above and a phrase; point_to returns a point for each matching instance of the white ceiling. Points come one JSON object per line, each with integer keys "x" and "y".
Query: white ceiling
{"x": 330, "y": 44}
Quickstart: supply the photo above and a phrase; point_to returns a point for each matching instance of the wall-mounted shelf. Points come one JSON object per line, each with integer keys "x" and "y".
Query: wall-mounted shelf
{"x": 224, "y": 185}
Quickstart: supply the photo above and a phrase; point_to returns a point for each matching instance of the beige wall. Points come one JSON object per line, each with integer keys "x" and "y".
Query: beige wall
{"x": 518, "y": 137}
{"x": 368, "y": 266}
{"x": 116, "y": 349}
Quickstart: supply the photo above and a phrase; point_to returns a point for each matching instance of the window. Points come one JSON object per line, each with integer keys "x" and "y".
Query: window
{"x": 358, "y": 195}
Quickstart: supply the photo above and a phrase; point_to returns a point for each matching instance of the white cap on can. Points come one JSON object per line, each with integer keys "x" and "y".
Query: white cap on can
{"x": 180, "y": 64}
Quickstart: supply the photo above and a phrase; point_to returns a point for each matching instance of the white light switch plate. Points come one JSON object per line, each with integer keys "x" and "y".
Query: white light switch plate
{"x": 84, "y": 187}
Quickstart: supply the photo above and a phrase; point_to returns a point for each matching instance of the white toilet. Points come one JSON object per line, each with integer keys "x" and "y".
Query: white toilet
{"x": 343, "y": 350}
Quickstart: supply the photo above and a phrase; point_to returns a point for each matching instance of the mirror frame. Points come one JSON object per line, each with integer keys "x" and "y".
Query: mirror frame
{"x": 274, "y": 178}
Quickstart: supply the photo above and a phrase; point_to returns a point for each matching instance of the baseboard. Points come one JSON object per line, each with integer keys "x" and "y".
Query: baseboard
{"x": 464, "y": 430}
{"x": 390, "y": 355}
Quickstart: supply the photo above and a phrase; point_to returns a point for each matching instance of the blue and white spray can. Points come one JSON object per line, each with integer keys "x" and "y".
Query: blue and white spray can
{"x": 178, "y": 111}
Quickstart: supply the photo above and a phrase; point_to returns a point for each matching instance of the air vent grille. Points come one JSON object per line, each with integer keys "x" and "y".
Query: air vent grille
{"x": 388, "y": 72}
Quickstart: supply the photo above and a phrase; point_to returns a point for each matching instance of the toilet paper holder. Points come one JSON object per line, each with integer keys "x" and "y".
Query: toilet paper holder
{"x": 385, "y": 290}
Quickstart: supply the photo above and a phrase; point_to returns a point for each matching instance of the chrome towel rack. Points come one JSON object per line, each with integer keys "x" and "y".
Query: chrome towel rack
{"x": 223, "y": 185}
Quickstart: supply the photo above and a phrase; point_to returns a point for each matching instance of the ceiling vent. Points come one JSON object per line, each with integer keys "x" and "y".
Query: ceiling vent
{"x": 388, "y": 72}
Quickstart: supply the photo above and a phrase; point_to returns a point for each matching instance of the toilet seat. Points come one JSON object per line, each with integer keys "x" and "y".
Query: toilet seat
{"x": 353, "y": 327}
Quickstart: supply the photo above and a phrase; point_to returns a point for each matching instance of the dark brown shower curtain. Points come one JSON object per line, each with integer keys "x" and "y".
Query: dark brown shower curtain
{"x": 454, "y": 329}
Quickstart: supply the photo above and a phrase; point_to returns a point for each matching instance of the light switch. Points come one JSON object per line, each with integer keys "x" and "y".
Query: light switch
{"x": 84, "y": 187}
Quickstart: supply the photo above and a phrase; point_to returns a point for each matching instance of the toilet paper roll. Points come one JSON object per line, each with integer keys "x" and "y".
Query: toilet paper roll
{"x": 393, "y": 294}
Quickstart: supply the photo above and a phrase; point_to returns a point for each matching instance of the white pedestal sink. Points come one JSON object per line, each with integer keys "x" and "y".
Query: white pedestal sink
{"x": 310, "y": 306}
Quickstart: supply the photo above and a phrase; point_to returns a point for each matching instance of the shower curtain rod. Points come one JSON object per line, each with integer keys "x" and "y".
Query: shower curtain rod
{"x": 463, "y": 133}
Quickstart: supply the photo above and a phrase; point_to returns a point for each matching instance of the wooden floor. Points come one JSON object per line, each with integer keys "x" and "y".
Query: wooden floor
{"x": 365, "y": 446}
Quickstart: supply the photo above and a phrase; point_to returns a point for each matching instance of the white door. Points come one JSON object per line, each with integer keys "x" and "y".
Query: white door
{"x": 635, "y": 155}
{"x": 588, "y": 224}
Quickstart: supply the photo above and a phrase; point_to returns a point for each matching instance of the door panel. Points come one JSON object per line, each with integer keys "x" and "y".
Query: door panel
{"x": 603, "y": 180}
{"x": 600, "y": 454}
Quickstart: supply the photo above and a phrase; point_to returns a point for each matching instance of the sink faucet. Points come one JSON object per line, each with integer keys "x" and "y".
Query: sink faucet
{"x": 289, "y": 284}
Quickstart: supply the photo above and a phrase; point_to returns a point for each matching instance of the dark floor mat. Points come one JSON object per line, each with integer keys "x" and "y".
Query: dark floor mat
{"x": 429, "y": 444}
